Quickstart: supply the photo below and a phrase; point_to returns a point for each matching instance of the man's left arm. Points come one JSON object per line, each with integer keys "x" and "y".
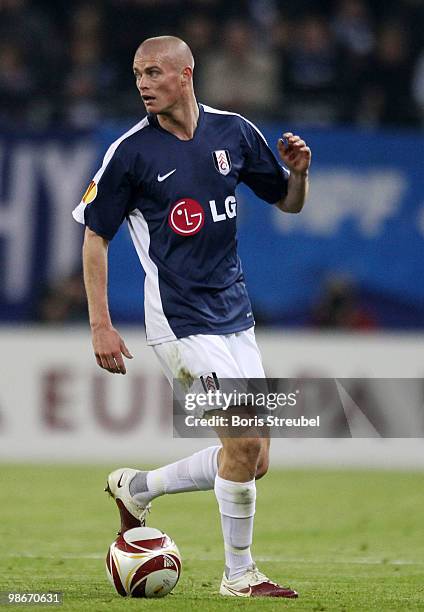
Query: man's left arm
{"x": 296, "y": 156}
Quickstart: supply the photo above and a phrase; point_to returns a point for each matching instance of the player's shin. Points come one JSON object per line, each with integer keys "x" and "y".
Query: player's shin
{"x": 236, "y": 502}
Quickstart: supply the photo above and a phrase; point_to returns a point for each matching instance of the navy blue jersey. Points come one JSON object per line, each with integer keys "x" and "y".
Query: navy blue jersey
{"x": 178, "y": 197}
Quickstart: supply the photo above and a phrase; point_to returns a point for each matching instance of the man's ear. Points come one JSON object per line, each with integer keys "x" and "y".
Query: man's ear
{"x": 186, "y": 75}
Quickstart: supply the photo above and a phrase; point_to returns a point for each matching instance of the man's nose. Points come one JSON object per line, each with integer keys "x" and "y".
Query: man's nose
{"x": 143, "y": 83}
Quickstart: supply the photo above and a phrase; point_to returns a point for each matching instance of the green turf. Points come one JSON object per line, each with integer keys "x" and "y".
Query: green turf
{"x": 345, "y": 540}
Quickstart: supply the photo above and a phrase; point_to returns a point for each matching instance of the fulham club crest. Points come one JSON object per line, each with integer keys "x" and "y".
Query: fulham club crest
{"x": 222, "y": 161}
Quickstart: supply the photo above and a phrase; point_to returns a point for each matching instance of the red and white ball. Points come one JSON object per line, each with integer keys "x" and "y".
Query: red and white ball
{"x": 143, "y": 562}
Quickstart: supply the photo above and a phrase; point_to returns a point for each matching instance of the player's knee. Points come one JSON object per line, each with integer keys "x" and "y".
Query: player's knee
{"x": 248, "y": 451}
{"x": 241, "y": 455}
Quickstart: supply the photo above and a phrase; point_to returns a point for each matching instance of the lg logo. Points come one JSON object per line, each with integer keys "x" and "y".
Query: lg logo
{"x": 230, "y": 206}
{"x": 187, "y": 216}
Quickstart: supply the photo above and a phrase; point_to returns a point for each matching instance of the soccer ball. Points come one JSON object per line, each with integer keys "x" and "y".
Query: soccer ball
{"x": 143, "y": 562}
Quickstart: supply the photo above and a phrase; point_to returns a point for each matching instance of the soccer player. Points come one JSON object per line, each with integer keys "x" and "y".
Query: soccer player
{"x": 173, "y": 178}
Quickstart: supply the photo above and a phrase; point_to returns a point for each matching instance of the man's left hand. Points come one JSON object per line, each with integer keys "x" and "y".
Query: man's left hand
{"x": 294, "y": 153}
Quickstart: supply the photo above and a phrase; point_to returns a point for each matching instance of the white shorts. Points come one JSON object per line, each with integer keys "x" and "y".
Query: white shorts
{"x": 228, "y": 356}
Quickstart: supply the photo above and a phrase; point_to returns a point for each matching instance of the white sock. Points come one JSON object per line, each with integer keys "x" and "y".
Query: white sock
{"x": 194, "y": 473}
{"x": 236, "y": 502}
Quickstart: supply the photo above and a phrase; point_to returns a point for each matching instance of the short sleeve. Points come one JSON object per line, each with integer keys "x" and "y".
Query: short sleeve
{"x": 261, "y": 171}
{"x": 106, "y": 202}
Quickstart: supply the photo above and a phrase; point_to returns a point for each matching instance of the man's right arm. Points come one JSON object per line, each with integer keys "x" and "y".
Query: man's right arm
{"x": 107, "y": 344}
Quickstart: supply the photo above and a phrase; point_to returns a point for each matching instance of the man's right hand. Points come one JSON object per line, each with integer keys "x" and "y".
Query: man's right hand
{"x": 109, "y": 348}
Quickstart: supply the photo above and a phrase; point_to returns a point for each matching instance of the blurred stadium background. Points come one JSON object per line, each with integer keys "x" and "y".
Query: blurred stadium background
{"x": 337, "y": 291}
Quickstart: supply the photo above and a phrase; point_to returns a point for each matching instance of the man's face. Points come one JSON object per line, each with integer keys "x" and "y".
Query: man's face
{"x": 158, "y": 81}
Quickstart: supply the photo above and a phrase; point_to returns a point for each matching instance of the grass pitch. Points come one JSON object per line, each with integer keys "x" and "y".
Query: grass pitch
{"x": 346, "y": 540}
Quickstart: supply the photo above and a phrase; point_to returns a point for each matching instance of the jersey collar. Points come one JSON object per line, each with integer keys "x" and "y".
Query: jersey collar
{"x": 153, "y": 121}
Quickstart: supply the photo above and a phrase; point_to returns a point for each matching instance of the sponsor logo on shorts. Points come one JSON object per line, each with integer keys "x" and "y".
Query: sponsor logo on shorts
{"x": 210, "y": 382}
{"x": 186, "y": 217}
